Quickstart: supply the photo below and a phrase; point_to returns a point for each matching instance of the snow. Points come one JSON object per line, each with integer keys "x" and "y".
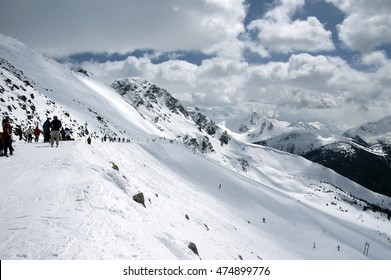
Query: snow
{"x": 70, "y": 203}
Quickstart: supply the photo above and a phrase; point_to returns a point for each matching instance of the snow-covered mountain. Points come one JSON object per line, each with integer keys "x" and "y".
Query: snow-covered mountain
{"x": 159, "y": 107}
{"x": 163, "y": 191}
{"x": 362, "y": 154}
{"x": 298, "y": 138}
{"x": 378, "y": 132}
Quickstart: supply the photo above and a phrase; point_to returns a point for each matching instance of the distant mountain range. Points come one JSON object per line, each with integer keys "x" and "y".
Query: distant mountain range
{"x": 362, "y": 154}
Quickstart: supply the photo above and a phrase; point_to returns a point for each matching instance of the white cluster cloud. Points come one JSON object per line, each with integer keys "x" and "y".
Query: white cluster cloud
{"x": 367, "y": 23}
{"x": 278, "y": 33}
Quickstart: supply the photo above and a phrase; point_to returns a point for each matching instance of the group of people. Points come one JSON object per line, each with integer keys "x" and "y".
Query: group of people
{"x": 30, "y": 132}
{"x": 114, "y": 139}
{"x": 52, "y": 131}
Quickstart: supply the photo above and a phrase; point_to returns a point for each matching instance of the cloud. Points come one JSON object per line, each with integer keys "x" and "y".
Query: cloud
{"x": 317, "y": 82}
{"x": 305, "y": 83}
{"x": 61, "y": 28}
{"x": 278, "y": 33}
{"x": 367, "y": 23}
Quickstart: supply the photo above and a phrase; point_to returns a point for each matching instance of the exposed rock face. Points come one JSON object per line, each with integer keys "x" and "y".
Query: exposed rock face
{"x": 139, "y": 198}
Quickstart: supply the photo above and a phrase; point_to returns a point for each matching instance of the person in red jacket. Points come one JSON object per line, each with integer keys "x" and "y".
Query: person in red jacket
{"x": 7, "y": 136}
{"x": 37, "y": 132}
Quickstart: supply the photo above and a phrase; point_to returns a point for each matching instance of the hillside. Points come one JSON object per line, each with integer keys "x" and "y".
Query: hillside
{"x": 232, "y": 199}
{"x": 71, "y": 203}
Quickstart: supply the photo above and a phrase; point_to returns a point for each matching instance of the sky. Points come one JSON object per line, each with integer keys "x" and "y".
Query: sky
{"x": 311, "y": 60}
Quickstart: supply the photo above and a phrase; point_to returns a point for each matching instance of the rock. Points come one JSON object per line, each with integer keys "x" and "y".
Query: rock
{"x": 139, "y": 198}
{"x": 114, "y": 166}
{"x": 193, "y": 247}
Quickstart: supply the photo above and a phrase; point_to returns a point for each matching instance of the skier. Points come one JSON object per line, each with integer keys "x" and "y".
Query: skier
{"x": 55, "y": 134}
{"x": 46, "y": 130}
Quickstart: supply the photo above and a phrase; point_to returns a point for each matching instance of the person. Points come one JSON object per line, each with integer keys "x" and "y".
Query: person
{"x": 1, "y": 144}
{"x": 55, "y": 126}
{"x": 29, "y": 134}
{"x": 7, "y": 137}
{"x": 46, "y": 130}
{"x": 19, "y": 132}
{"x": 68, "y": 134}
{"x": 62, "y": 134}
{"x": 37, "y": 132}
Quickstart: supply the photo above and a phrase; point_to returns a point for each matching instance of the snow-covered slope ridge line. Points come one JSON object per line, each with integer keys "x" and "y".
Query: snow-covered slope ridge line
{"x": 240, "y": 201}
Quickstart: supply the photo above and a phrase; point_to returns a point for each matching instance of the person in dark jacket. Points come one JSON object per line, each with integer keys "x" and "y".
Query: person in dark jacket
{"x": 1, "y": 144}
{"x": 7, "y": 137}
{"x": 62, "y": 134}
{"x": 46, "y": 130}
{"x": 18, "y": 132}
{"x": 55, "y": 133}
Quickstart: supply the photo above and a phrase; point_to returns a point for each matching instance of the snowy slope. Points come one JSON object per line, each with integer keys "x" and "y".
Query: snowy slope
{"x": 239, "y": 201}
{"x": 69, "y": 203}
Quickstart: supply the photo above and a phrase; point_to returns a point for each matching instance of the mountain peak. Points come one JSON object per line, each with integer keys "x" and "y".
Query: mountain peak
{"x": 141, "y": 92}
{"x": 253, "y": 121}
